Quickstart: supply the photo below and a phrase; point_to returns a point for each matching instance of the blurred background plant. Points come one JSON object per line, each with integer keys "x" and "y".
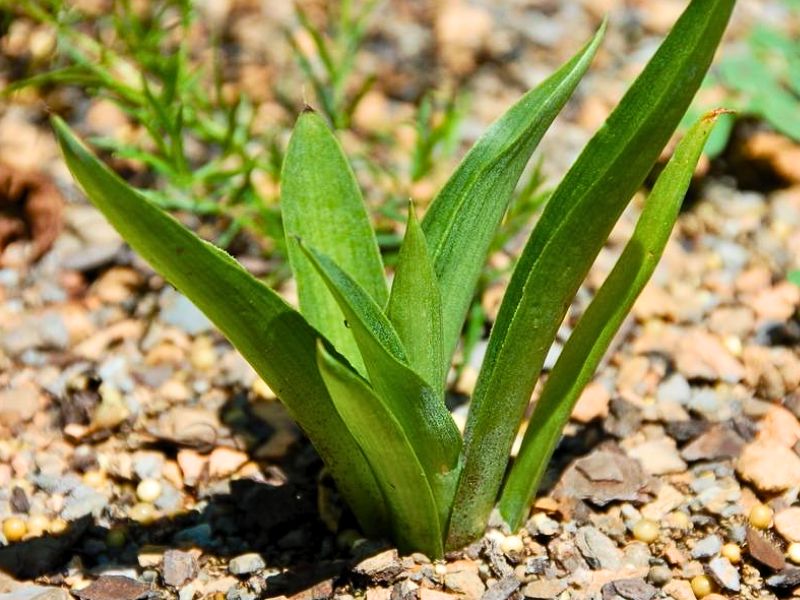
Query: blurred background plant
{"x": 198, "y": 145}
{"x": 759, "y": 80}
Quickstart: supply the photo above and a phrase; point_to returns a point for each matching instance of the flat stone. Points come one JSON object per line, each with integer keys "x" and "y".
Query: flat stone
{"x": 708, "y": 546}
{"x": 757, "y": 463}
{"x": 658, "y": 457}
{"x": 179, "y": 567}
{"x": 630, "y": 589}
{"x": 544, "y": 589}
{"x": 83, "y": 501}
{"x": 787, "y": 523}
{"x": 602, "y": 477}
{"x": 724, "y": 573}
{"x": 246, "y": 564}
{"x": 500, "y": 590}
{"x": 789, "y": 578}
{"x": 381, "y": 567}
{"x": 764, "y": 551}
{"x": 674, "y": 388}
{"x": 463, "y": 577}
{"x": 114, "y": 587}
{"x": 598, "y": 549}
{"x": 177, "y": 310}
{"x": 717, "y": 443}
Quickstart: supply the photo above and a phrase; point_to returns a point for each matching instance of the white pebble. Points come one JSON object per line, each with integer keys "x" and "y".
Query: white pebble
{"x": 148, "y": 490}
{"x": 512, "y": 544}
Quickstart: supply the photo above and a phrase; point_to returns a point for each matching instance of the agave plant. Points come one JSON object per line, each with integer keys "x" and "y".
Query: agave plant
{"x": 362, "y": 367}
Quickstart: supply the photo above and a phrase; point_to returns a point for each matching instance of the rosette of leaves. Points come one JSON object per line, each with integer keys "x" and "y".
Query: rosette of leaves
{"x": 362, "y": 366}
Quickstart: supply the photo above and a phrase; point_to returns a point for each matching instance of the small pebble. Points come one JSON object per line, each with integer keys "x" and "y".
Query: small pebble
{"x": 142, "y": 512}
{"x": 659, "y": 575}
{"x": 732, "y": 552}
{"x": 58, "y": 526}
{"x": 95, "y": 479}
{"x": 760, "y": 516}
{"x": 793, "y": 552}
{"x": 512, "y": 544}
{"x": 702, "y": 586}
{"x": 246, "y": 564}
{"x": 646, "y": 530}
{"x": 148, "y": 490}
{"x": 38, "y": 525}
{"x": 14, "y": 529}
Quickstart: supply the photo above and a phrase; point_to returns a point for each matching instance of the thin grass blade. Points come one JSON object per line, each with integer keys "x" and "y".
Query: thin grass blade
{"x": 415, "y": 517}
{"x": 418, "y": 409}
{"x": 595, "y": 330}
{"x": 415, "y": 306}
{"x": 321, "y": 203}
{"x": 464, "y": 216}
{"x": 573, "y": 227}
{"x": 271, "y": 336}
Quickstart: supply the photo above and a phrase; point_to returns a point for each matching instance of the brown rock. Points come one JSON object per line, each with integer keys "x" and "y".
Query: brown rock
{"x": 225, "y": 461}
{"x": 757, "y": 465}
{"x": 679, "y": 589}
{"x": 717, "y": 443}
{"x": 192, "y": 465}
{"x": 602, "y": 477}
{"x": 764, "y": 551}
{"x": 779, "y": 426}
{"x": 18, "y": 405}
{"x": 114, "y": 587}
{"x": 592, "y": 404}
{"x": 701, "y": 355}
{"x": 787, "y": 523}
{"x": 382, "y": 567}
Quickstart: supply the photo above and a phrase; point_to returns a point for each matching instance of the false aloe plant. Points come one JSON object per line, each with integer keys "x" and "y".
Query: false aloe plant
{"x": 362, "y": 367}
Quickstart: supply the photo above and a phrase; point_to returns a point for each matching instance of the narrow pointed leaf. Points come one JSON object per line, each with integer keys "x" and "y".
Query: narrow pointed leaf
{"x": 321, "y": 203}
{"x": 575, "y": 224}
{"x": 416, "y": 406}
{"x": 271, "y": 336}
{"x": 415, "y": 307}
{"x": 595, "y": 330}
{"x": 415, "y": 520}
{"x": 463, "y": 218}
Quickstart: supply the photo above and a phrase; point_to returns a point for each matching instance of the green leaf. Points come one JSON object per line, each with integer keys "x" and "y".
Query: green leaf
{"x": 415, "y": 520}
{"x": 572, "y": 229}
{"x": 321, "y": 203}
{"x": 464, "y": 216}
{"x": 418, "y": 409}
{"x": 271, "y": 336}
{"x": 415, "y": 306}
{"x": 794, "y": 277}
{"x": 595, "y": 330}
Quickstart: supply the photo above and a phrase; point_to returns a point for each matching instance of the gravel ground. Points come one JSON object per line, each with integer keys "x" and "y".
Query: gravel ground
{"x": 140, "y": 457}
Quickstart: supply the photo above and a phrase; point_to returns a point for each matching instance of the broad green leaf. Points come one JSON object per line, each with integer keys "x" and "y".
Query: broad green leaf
{"x": 572, "y": 229}
{"x": 321, "y": 203}
{"x": 415, "y": 307}
{"x": 464, "y": 216}
{"x": 416, "y": 406}
{"x": 415, "y": 520}
{"x": 595, "y": 330}
{"x": 271, "y": 336}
